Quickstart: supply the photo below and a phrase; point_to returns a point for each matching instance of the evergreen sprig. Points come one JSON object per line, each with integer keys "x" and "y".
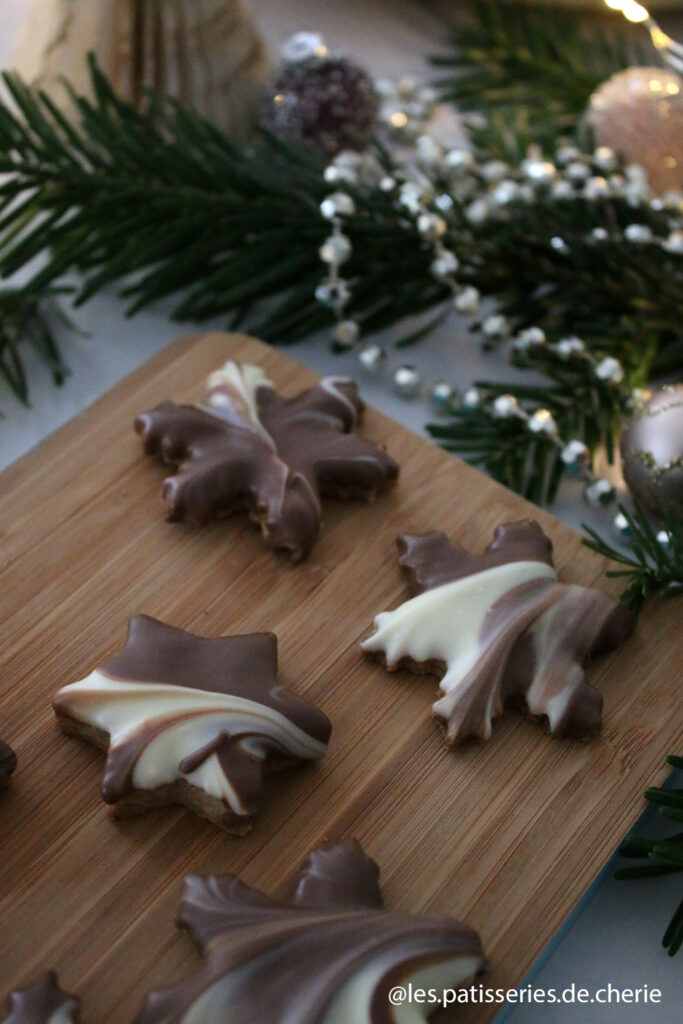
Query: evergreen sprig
{"x": 530, "y": 71}
{"x": 652, "y": 567}
{"x": 662, "y": 856}
{"x": 26, "y": 317}
{"x": 169, "y": 207}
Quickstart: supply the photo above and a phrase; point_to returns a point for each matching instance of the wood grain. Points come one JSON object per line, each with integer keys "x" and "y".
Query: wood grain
{"x": 507, "y": 835}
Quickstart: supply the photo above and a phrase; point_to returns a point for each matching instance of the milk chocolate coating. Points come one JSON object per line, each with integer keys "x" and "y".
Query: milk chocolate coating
{"x": 40, "y": 1001}
{"x": 245, "y": 667}
{"x": 274, "y": 457}
{"x": 431, "y": 559}
{"x": 528, "y": 647}
{"x": 272, "y": 962}
{"x": 8, "y": 762}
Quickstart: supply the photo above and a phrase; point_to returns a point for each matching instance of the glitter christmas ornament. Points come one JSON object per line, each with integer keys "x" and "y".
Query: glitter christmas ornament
{"x": 652, "y": 450}
{"x": 323, "y": 101}
{"x": 639, "y": 113}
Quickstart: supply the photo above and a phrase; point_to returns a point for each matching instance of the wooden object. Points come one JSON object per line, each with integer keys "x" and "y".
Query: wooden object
{"x": 206, "y": 53}
{"x": 507, "y": 835}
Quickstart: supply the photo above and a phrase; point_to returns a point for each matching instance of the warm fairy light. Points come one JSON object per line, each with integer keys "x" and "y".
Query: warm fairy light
{"x": 671, "y": 51}
{"x": 630, "y": 9}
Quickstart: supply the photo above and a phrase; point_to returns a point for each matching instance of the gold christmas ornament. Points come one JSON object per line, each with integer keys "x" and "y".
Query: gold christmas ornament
{"x": 206, "y": 53}
{"x": 639, "y": 113}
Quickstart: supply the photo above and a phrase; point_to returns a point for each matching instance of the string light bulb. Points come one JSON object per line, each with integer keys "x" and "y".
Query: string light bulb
{"x": 671, "y": 51}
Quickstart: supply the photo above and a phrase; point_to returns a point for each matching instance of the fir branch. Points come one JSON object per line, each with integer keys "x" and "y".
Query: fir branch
{"x": 652, "y": 567}
{"x": 529, "y": 71}
{"x": 663, "y": 856}
{"x": 26, "y": 318}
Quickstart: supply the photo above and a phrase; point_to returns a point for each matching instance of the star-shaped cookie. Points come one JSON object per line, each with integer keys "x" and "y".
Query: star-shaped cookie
{"x": 275, "y": 457}
{"x": 42, "y": 1002}
{"x": 500, "y": 629}
{"x": 191, "y": 720}
{"x": 330, "y": 955}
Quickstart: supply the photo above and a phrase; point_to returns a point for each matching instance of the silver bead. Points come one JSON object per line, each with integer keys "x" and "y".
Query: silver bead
{"x": 429, "y": 152}
{"x": 478, "y": 211}
{"x": 495, "y": 326}
{"x": 599, "y": 235}
{"x": 622, "y": 528}
{"x": 349, "y": 160}
{"x": 431, "y": 226}
{"x": 336, "y": 249}
{"x": 444, "y": 202}
{"x": 559, "y": 244}
{"x": 578, "y": 172}
{"x": 636, "y": 174}
{"x": 407, "y": 381}
{"x": 303, "y": 47}
{"x": 540, "y": 172}
{"x": 346, "y": 333}
{"x": 600, "y": 492}
{"x": 505, "y": 192}
{"x": 412, "y": 196}
{"x": 459, "y": 160}
{"x": 610, "y": 370}
{"x": 494, "y": 170}
{"x": 472, "y": 400}
{"x": 542, "y": 422}
{"x": 567, "y": 155}
{"x": 406, "y": 86}
{"x": 596, "y": 188}
{"x": 562, "y": 190}
{"x": 674, "y": 243}
{"x": 443, "y": 398}
{"x": 635, "y": 195}
{"x": 334, "y": 175}
{"x": 445, "y": 265}
{"x": 605, "y": 158}
{"x": 575, "y": 456}
{"x": 339, "y": 203}
{"x": 505, "y": 406}
{"x": 641, "y": 234}
{"x": 529, "y": 338}
{"x": 384, "y": 87}
{"x": 664, "y": 538}
{"x": 333, "y": 294}
{"x": 569, "y": 347}
{"x": 371, "y": 357}
{"x": 387, "y": 183}
{"x": 467, "y": 300}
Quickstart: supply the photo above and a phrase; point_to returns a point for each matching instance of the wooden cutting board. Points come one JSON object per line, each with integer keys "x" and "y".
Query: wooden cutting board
{"x": 506, "y": 835}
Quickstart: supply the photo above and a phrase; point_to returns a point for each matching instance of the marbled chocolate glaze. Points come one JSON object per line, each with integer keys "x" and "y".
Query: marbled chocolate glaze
{"x": 42, "y": 1002}
{"x": 8, "y": 762}
{"x": 505, "y": 630}
{"x": 205, "y": 711}
{"x": 329, "y": 956}
{"x": 273, "y": 456}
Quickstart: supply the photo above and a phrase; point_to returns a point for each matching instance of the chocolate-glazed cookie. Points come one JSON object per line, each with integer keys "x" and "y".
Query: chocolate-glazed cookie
{"x": 330, "y": 955}
{"x": 500, "y": 629}
{"x": 274, "y": 457}
{"x": 42, "y": 1002}
{"x": 193, "y": 720}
